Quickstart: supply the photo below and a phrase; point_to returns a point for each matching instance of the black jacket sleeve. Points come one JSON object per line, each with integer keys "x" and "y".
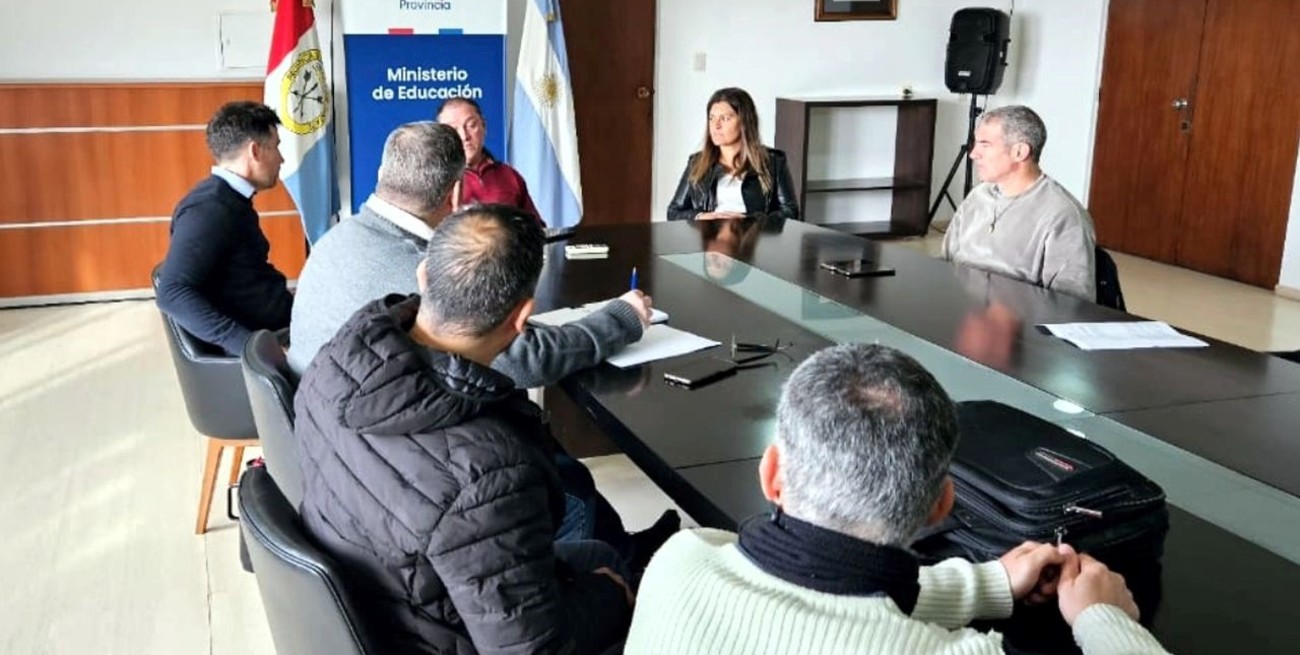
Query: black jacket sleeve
{"x": 784, "y": 202}
{"x": 200, "y": 236}
{"x": 510, "y": 594}
{"x": 682, "y": 207}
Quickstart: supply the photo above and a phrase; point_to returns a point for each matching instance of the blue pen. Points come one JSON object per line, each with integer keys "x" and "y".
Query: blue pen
{"x": 634, "y": 278}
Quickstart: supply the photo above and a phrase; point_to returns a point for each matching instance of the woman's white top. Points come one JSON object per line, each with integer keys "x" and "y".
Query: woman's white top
{"x": 729, "y": 196}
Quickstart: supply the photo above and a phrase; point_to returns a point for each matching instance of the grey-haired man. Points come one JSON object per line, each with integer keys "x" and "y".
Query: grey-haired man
{"x": 1021, "y": 223}
{"x": 377, "y": 251}
{"x": 859, "y": 465}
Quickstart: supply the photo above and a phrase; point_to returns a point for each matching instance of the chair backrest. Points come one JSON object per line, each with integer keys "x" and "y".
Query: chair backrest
{"x": 211, "y": 383}
{"x": 1108, "y": 291}
{"x": 306, "y": 605}
{"x": 271, "y": 385}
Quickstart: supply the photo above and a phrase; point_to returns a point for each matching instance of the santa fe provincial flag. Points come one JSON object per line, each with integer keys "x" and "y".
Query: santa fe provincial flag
{"x": 543, "y": 134}
{"x": 297, "y": 90}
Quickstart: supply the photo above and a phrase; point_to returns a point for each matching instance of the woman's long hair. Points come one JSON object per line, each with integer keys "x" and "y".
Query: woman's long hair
{"x": 752, "y": 157}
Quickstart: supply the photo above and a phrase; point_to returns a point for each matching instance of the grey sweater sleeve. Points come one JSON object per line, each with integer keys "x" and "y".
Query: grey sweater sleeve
{"x": 1068, "y": 256}
{"x": 544, "y": 355}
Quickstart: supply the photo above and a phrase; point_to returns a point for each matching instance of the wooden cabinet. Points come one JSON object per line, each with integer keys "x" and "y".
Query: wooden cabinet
{"x": 808, "y": 127}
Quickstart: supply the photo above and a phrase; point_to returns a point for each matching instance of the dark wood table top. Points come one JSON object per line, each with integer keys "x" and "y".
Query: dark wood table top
{"x": 1259, "y": 436}
{"x": 947, "y": 306}
{"x": 1226, "y": 404}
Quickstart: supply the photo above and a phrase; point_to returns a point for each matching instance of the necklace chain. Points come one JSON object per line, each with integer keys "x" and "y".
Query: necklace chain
{"x": 997, "y": 214}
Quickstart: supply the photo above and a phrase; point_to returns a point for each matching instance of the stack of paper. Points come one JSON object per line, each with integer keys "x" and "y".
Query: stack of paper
{"x": 1123, "y": 336}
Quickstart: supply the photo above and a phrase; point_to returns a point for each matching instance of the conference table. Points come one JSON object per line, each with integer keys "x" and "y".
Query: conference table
{"x": 1216, "y": 427}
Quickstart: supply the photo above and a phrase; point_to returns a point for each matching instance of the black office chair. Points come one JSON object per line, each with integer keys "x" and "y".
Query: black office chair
{"x": 213, "y": 387}
{"x": 271, "y": 385}
{"x": 1291, "y": 356}
{"x": 307, "y": 608}
{"x": 1108, "y": 291}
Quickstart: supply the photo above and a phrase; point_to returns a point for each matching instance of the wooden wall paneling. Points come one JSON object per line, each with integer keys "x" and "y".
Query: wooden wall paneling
{"x": 113, "y": 257}
{"x": 116, "y": 104}
{"x": 1245, "y": 127}
{"x": 102, "y": 175}
{"x": 288, "y": 243}
{"x": 72, "y": 152}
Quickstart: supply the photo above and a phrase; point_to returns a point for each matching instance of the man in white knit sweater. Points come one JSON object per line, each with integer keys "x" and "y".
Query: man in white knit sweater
{"x": 860, "y": 464}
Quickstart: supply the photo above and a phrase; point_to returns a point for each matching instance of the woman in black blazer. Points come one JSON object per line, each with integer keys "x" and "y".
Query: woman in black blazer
{"x": 734, "y": 174}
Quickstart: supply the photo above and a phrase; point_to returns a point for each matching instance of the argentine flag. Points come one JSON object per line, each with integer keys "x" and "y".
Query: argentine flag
{"x": 543, "y": 134}
{"x": 297, "y": 90}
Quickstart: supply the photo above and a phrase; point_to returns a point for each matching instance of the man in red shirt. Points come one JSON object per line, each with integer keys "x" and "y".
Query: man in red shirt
{"x": 486, "y": 180}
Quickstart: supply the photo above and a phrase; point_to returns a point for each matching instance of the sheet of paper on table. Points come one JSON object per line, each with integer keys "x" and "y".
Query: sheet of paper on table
{"x": 1123, "y": 335}
{"x": 658, "y": 342}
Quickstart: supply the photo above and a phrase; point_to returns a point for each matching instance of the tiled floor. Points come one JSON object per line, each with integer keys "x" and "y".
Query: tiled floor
{"x": 99, "y": 469}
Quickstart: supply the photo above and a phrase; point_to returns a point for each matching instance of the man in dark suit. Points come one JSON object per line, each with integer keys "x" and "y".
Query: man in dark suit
{"x": 217, "y": 282}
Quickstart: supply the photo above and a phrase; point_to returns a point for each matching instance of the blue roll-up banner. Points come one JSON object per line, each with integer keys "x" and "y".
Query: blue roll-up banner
{"x": 405, "y": 57}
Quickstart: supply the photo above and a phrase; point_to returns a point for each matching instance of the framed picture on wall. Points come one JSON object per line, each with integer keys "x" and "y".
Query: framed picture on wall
{"x": 855, "y": 10}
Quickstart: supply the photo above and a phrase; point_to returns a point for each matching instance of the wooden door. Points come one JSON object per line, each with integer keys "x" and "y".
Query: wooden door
{"x": 1245, "y": 127}
{"x": 611, "y": 47}
{"x": 1152, "y": 49}
{"x": 1197, "y": 133}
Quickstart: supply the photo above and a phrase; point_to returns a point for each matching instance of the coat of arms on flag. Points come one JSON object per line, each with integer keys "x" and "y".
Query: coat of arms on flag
{"x": 304, "y": 101}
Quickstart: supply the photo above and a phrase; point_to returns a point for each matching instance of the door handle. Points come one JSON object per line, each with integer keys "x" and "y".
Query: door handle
{"x": 643, "y": 92}
{"x": 1181, "y": 103}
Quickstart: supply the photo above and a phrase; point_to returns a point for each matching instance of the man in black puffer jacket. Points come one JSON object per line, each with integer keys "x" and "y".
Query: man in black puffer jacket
{"x": 429, "y": 476}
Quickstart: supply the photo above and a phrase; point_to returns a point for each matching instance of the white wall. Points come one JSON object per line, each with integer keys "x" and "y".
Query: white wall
{"x": 1290, "y": 276}
{"x": 118, "y": 39}
{"x": 773, "y": 48}
{"x": 1056, "y": 63}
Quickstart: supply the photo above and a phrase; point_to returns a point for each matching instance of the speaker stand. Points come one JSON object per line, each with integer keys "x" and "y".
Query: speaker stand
{"x": 962, "y": 157}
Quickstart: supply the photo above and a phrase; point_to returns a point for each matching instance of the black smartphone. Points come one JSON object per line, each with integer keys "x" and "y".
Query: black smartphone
{"x": 700, "y": 372}
{"x": 857, "y": 268}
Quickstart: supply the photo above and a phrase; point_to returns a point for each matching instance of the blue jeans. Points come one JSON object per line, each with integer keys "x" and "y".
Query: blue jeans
{"x": 587, "y": 515}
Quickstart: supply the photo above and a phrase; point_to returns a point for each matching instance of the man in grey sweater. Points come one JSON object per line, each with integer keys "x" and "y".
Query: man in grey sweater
{"x": 376, "y": 253}
{"x": 1021, "y": 223}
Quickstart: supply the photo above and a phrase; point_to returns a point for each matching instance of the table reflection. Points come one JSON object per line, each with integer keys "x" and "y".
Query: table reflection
{"x": 726, "y": 241}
